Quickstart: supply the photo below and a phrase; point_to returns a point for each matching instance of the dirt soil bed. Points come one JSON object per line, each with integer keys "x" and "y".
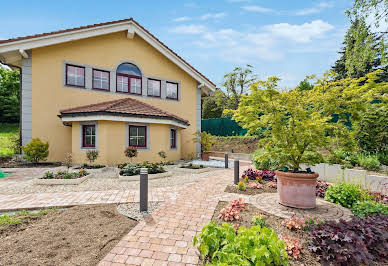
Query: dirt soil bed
{"x": 275, "y": 223}
{"x": 251, "y": 191}
{"x": 80, "y": 235}
{"x": 235, "y": 144}
{"x": 17, "y": 164}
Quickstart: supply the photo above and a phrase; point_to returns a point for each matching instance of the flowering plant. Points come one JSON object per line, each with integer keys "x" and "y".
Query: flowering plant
{"x": 293, "y": 246}
{"x": 241, "y": 185}
{"x": 232, "y": 211}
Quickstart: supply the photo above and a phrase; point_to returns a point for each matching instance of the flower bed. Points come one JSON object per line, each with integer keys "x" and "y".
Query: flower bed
{"x": 90, "y": 166}
{"x": 63, "y": 178}
{"x": 131, "y": 172}
{"x": 192, "y": 168}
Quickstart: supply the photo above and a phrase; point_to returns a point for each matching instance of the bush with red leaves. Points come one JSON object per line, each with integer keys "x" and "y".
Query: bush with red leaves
{"x": 321, "y": 188}
{"x": 355, "y": 242}
{"x": 231, "y": 212}
{"x": 267, "y": 175}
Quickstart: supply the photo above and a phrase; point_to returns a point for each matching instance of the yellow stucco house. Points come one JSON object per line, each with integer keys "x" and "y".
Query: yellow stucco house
{"x": 105, "y": 87}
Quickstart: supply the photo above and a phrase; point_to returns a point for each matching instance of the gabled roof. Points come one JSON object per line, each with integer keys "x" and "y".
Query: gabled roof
{"x": 21, "y": 44}
{"x": 122, "y": 107}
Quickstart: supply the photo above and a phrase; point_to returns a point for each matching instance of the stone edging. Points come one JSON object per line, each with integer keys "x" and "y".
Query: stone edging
{"x": 137, "y": 177}
{"x": 76, "y": 181}
{"x": 193, "y": 171}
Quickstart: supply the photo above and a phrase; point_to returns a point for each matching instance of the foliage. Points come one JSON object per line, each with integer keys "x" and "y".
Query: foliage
{"x": 210, "y": 109}
{"x": 378, "y": 9}
{"x": 91, "y": 166}
{"x": 350, "y": 159}
{"x": 129, "y": 169}
{"x": 9, "y": 139}
{"x": 344, "y": 194}
{"x": 22, "y": 217}
{"x": 267, "y": 175}
{"x": 372, "y": 131}
{"x": 236, "y": 84}
{"x": 321, "y": 188}
{"x": 223, "y": 245}
{"x": 64, "y": 175}
{"x": 231, "y": 212}
{"x": 369, "y": 162}
{"x": 68, "y": 161}
{"x": 369, "y": 207}
{"x": 130, "y": 152}
{"x": 258, "y": 220}
{"x": 9, "y": 95}
{"x": 293, "y": 246}
{"x": 241, "y": 186}
{"x": 295, "y": 223}
{"x": 251, "y": 174}
{"x": 91, "y": 155}
{"x": 264, "y": 162}
{"x": 206, "y": 140}
{"x": 36, "y": 150}
{"x": 14, "y": 144}
{"x": 254, "y": 185}
{"x": 305, "y": 85}
{"x": 163, "y": 155}
{"x": 379, "y": 197}
{"x": 355, "y": 242}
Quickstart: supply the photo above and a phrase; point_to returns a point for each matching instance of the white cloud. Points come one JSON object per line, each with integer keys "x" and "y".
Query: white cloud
{"x": 213, "y": 16}
{"x": 256, "y": 8}
{"x": 314, "y": 10}
{"x": 181, "y": 19}
{"x": 300, "y": 33}
{"x": 189, "y": 29}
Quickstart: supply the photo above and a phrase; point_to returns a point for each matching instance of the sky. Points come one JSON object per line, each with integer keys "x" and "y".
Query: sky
{"x": 288, "y": 39}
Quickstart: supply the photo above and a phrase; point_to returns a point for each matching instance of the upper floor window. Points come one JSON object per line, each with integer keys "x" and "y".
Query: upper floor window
{"x": 154, "y": 87}
{"x": 172, "y": 90}
{"x": 128, "y": 79}
{"x": 101, "y": 79}
{"x": 75, "y": 76}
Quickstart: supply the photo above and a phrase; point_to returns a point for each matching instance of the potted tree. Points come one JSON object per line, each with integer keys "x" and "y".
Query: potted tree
{"x": 295, "y": 124}
{"x": 206, "y": 140}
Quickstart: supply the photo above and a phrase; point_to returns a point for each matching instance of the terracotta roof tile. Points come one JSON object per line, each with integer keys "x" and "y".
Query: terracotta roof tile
{"x": 100, "y": 25}
{"x": 127, "y": 106}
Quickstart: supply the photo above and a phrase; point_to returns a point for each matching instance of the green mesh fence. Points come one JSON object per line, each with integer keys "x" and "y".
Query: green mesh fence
{"x": 222, "y": 127}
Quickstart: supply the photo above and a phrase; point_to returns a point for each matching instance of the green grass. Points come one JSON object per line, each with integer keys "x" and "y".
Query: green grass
{"x": 6, "y": 132}
{"x": 21, "y": 217}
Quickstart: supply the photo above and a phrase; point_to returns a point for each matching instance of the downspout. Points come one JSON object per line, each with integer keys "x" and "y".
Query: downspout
{"x": 20, "y": 100}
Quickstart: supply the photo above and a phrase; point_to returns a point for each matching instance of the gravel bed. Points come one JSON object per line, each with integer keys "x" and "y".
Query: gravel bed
{"x": 105, "y": 180}
{"x": 212, "y": 163}
{"x": 132, "y": 210}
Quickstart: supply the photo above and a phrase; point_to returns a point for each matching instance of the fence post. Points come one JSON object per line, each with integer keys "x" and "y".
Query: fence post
{"x": 236, "y": 171}
{"x": 143, "y": 189}
{"x": 226, "y": 160}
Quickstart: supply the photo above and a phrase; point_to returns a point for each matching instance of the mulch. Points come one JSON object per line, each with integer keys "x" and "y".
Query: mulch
{"x": 80, "y": 235}
{"x": 275, "y": 223}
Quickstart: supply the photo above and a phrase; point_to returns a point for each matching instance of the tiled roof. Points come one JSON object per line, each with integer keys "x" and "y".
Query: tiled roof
{"x": 100, "y": 25}
{"x": 126, "y": 107}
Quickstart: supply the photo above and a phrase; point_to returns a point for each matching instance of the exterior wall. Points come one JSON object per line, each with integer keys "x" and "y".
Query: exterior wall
{"x": 49, "y": 96}
{"x": 112, "y": 141}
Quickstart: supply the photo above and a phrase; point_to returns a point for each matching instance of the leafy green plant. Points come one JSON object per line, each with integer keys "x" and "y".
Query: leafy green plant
{"x": 344, "y": 194}
{"x": 129, "y": 169}
{"x": 36, "y": 150}
{"x": 48, "y": 175}
{"x": 206, "y": 140}
{"x": 92, "y": 155}
{"x": 369, "y": 162}
{"x": 258, "y": 220}
{"x": 241, "y": 186}
{"x": 264, "y": 162}
{"x": 369, "y": 207}
{"x": 65, "y": 175}
{"x": 223, "y": 245}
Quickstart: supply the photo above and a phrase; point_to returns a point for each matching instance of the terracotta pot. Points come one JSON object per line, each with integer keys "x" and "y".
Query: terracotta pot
{"x": 205, "y": 156}
{"x": 297, "y": 189}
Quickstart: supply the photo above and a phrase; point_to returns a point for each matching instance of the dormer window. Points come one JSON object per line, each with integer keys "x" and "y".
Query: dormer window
{"x": 129, "y": 79}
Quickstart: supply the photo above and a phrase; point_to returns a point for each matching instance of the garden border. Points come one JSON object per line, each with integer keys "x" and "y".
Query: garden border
{"x": 150, "y": 176}
{"x": 57, "y": 181}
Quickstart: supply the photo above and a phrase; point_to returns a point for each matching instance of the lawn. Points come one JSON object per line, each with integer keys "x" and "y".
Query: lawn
{"x": 7, "y": 131}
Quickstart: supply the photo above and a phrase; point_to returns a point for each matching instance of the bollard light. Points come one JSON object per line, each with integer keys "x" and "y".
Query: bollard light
{"x": 236, "y": 170}
{"x": 226, "y": 160}
{"x": 143, "y": 189}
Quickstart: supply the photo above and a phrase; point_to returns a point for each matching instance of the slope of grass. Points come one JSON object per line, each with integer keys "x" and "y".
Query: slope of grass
{"x": 6, "y": 132}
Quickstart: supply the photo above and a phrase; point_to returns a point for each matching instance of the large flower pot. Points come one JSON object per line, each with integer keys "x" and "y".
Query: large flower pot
{"x": 205, "y": 156}
{"x": 297, "y": 189}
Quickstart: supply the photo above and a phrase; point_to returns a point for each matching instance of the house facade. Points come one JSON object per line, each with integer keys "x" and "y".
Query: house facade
{"x": 104, "y": 87}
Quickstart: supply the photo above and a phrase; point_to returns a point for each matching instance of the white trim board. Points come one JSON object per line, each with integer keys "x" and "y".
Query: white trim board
{"x": 130, "y": 26}
{"x": 123, "y": 119}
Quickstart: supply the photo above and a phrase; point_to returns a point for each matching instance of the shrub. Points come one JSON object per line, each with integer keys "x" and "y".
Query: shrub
{"x": 241, "y": 185}
{"x": 293, "y": 246}
{"x": 355, "y": 242}
{"x": 383, "y": 157}
{"x": 129, "y": 169}
{"x": 379, "y": 197}
{"x": 48, "y": 175}
{"x": 231, "y": 212}
{"x": 223, "y": 245}
{"x": 163, "y": 155}
{"x": 15, "y": 143}
{"x": 68, "y": 161}
{"x": 369, "y": 162}
{"x": 130, "y": 152}
{"x": 258, "y": 220}
{"x": 91, "y": 155}
{"x": 206, "y": 140}
{"x": 300, "y": 223}
{"x": 369, "y": 207}
{"x": 36, "y": 151}
{"x": 264, "y": 162}
{"x": 371, "y": 131}
{"x": 251, "y": 174}
{"x": 267, "y": 175}
{"x": 321, "y": 188}
{"x": 65, "y": 175}
{"x": 344, "y": 194}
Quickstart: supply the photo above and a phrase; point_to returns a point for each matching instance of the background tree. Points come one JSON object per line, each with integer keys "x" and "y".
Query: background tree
{"x": 378, "y": 9}
{"x": 236, "y": 84}
{"x": 210, "y": 108}
{"x": 9, "y": 95}
{"x": 305, "y": 85}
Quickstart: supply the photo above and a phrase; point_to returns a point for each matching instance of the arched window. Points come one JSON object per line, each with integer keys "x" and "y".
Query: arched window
{"x": 128, "y": 79}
